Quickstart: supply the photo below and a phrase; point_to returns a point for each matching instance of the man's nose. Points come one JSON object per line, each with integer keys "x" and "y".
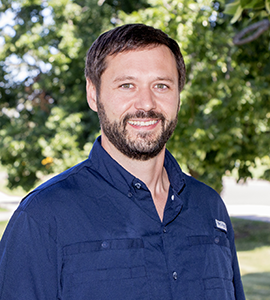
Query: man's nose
{"x": 145, "y": 100}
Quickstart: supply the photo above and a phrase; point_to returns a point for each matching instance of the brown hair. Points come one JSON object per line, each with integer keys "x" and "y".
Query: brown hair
{"x": 125, "y": 38}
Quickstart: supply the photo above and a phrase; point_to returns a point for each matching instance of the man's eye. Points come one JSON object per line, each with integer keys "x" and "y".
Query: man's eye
{"x": 127, "y": 86}
{"x": 161, "y": 86}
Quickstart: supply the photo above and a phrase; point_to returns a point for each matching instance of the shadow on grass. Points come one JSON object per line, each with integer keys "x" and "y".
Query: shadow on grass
{"x": 257, "y": 286}
{"x": 250, "y": 234}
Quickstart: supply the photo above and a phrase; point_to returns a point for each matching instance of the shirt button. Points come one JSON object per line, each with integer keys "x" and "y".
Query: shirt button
{"x": 217, "y": 240}
{"x": 105, "y": 245}
{"x": 138, "y": 185}
{"x": 129, "y": 195}
{"x": 174, "y": 274}
{"x": 164, "y": 229}
{"x": 172, "y": 197}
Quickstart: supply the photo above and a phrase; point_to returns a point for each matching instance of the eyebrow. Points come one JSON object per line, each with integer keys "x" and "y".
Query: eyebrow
{"x": 165, "y": 79}
{"x": 124, "y": 78}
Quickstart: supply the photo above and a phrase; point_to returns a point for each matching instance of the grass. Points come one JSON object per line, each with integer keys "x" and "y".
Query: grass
{"x": 257, "y": 286}
{"x": 250, "y": 234}
{"x": 3, "y": 225}
{"x": 252, "y": 239}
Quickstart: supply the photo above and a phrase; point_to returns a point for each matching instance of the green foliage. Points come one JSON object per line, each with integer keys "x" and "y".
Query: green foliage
{"x": 255, "y": 8}
{"x": 224, "y": 117}
{"x": 46, "y": 125}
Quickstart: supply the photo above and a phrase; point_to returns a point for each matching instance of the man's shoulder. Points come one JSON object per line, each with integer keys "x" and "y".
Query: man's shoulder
{"x": 58, "y": 201}
{"x": 203, "y": 197}
{"x": 58, "y": 187}
{"x": 201, "y": 192}
{"x": 195, "y": 183}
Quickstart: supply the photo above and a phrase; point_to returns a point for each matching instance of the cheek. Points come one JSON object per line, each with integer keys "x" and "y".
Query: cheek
{"x": 120, "y": 107}
{"x": 116, "y": 111}
{"x": 170, "y": 109}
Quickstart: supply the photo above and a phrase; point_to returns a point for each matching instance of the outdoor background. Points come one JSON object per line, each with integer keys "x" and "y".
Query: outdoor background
{"x": 224, "y": 121}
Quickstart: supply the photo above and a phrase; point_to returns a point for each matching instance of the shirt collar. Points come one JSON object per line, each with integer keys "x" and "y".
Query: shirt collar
{"x": 175, "y": 174}
{"x": 109, "y": 169}
{"x": 119, "y": 177}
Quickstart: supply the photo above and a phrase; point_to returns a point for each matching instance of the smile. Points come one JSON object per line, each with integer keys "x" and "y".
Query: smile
{"x": 141, "y": 123}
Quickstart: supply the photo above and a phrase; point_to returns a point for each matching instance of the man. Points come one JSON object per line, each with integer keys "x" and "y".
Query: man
{"x": 126, "y": 223}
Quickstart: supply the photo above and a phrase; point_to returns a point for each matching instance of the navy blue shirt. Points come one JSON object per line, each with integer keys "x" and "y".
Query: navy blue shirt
{"x": 93, "y": 233}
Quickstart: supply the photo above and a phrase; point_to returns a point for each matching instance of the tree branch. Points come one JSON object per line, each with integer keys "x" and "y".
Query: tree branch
{"x": 260, "y": 27}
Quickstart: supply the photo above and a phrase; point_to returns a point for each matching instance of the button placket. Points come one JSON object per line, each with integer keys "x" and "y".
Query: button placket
{"x": 138, "y": 185}
{"x": 174, "y": 274}
{"x": 105, "y": 245}
{"x": 216, "y": 240}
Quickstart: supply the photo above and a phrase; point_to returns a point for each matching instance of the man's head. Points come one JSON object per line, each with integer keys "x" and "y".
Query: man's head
{"x": 134, "y": 76}
{"x": 125, "y": 38}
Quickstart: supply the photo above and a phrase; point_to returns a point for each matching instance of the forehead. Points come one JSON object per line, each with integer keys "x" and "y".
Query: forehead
{"x": 156, "y": 59}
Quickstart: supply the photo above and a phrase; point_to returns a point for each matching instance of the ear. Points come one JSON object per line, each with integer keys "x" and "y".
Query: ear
{"x": 91, "y": 94}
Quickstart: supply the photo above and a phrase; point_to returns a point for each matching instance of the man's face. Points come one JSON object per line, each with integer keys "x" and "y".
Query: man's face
{"x": 138, "y": 101}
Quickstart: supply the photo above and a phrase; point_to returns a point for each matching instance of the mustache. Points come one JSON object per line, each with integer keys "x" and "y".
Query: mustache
{"x": 144, "y": 115}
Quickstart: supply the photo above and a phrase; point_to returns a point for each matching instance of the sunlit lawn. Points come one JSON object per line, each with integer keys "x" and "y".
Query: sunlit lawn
{"x": 3, "y": 225}
{"x": 253, "y": 249}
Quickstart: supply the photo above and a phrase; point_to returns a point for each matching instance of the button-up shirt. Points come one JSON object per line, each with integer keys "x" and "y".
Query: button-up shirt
{"x": 93, "y": 233}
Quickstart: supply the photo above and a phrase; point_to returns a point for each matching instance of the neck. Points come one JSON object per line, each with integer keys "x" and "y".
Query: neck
{"x": 151, "y": 172}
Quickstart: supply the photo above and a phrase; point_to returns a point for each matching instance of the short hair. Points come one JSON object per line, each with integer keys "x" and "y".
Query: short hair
{"x": 125, "y": 38}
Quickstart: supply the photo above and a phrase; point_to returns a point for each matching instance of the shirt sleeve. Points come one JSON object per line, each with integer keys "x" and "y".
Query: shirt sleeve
{"x": 238, "y": 286}
{"x": 28, "y": 261}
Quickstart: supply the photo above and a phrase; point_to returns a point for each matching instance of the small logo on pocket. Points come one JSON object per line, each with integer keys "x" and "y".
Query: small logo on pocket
{"x": 221, "y": 225}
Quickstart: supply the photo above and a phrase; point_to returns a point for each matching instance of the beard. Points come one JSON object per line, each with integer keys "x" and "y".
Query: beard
{"x": 145, "y": 145}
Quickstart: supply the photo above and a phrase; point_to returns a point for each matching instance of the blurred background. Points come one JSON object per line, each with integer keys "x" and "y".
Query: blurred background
{"x": 223, "y": 133}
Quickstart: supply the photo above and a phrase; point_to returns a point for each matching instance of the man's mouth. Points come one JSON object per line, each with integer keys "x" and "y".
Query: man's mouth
{"x": 142, "y": 123}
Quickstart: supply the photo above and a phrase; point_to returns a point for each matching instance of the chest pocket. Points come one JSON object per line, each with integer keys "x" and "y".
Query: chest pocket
{"x": 210, "y": 263}
{"x": 212, "y": 254}
{"x": 107, "y": 269}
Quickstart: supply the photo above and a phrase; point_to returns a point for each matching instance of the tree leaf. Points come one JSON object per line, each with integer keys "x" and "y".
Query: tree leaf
{"x": 237, "y": 14}
{"x": 259, "y": 5}
{"x": 244, "y": 3}
{"x": 231, "y": 8}
{"x": 267, "y": 5}
{"x": 250, "y": 4}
